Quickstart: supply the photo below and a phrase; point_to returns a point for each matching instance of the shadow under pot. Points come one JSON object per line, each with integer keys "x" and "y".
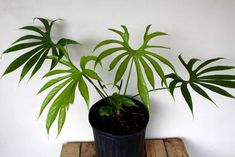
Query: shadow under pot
{"x": 119, "y": 136}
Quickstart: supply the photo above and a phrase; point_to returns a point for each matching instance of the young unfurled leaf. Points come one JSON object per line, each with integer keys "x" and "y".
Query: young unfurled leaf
{"x": 106, "y": 111}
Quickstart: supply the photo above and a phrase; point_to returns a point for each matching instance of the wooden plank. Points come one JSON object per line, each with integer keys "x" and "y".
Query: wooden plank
{"x": 71, "y": 150}
{"x": 155, "y": 148}
{"x": 88, "y": 149}
{"x": 175, "y": 147}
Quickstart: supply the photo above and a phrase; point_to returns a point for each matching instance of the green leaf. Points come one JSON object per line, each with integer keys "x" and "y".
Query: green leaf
{"x": 216, "y": 90}
{"x": 162, "y": 59}
{"x": 183, "y": 62}
{"x": 127, "y": 102}
{"x": 61, "y": 120}
{"x": 51, "y": 95}
{"x": 215, "y": 68}
{"x": 146, "y": 32}
{"x": 61, "y": 101}
{"x": 191, "y": 63}
{"x": 121, "y": 69}
{"x": 116, "y": 60}
{"x": 63, "y": 50}
{"x": 30, "y": 64}
{"x": 172, "y": 86}
{"x": 153, "y": 35}
{"x": 201, "y": 92}
{"x": 109, "y": 52}
{"x": 92, "y": 74}
{"x": 116, "y": 31}
{"x": 20, "y": 60}
{"x": 55, "y": 72}
{"x": 153, "y": 46}
{"x": 65, "y": 42}
{"x": 218, "y": 77}
{"x": 141, "y": 85}
{"x": 34, "y": 29}
{"x": 45, "y": 23}
{"x": 21, "y": 46}
{"x": 186, "y": 95}
{"x": 206, "y": 63}
{"x": 39, "y": 63}
{"x": 226, "y": 83}
{"x": 52, "y": 82}
{"x": 126, "y": 34}
{"x": 157, "y": 68}
{"x": 84, "y": 91}
{"x": 106, "y": 110}
{"x": 106, "y": 42}
{"x": 85, "y": 59}
{"x": 72, "y": 96}
{"x": 26, "y": 37}
{"x": 148, "y": 72}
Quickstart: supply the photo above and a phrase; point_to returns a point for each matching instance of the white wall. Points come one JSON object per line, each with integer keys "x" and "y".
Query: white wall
{"x": 202, "y": 28}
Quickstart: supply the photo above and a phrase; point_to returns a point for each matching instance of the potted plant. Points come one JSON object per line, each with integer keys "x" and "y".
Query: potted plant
{"x": 118, "y": 119}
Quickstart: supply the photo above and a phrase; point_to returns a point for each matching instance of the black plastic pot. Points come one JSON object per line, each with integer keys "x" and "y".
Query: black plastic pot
{"x": 110, "y": 145}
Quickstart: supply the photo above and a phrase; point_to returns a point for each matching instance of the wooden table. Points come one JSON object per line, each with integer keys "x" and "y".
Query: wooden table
{"x": 169, "y": 147}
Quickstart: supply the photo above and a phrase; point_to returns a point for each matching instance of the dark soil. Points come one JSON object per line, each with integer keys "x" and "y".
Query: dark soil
{"x": 132, "y": 120}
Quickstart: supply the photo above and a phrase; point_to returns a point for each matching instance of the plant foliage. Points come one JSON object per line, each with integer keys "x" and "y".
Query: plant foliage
{"x": 36, "y": 46}
{"x": 65, "y": 82}
{"x": 200, "y": 77}
{"x": 141, "y": 58}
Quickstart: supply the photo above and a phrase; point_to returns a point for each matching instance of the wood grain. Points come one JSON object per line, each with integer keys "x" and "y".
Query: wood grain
{"x": 88, "y": 149}
{"x": 155, "y": 148}
{"x": 175, "y": 147}
{"x": 171, "y": 147}
{"x": 71, "y": 150}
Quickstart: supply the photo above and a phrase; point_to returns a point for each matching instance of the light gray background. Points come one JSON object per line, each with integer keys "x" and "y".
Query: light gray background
{"x": 201, "y": 28}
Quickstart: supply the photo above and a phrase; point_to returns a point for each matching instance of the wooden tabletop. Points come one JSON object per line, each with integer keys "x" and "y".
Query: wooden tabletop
{"x": 169, "y": 147}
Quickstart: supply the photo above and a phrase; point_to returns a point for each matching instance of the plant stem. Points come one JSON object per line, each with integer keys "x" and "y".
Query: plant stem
{"x": 98, "y": 90}
{"x": 152, "y": 90}
{"x": 127, "y": 82}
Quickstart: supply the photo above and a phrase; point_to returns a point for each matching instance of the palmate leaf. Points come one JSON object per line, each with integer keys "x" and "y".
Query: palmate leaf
{"x": 62, "y": 94}
{"x": 198, "y": 82}
{"x": 40, "y": 44}
{"x": 149, "y": 61}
